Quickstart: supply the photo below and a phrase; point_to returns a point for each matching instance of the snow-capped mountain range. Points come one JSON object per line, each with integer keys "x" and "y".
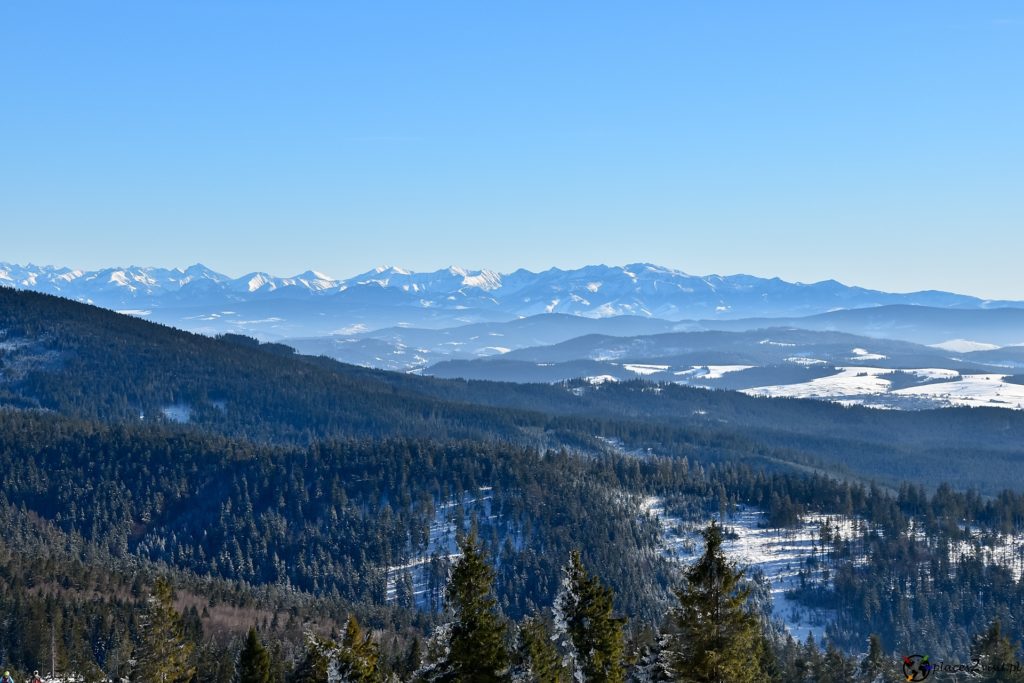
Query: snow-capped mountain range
{"x": 312, "y": 303}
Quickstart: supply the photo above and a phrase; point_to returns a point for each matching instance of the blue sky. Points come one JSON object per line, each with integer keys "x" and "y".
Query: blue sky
{"x": 879, "y": 143}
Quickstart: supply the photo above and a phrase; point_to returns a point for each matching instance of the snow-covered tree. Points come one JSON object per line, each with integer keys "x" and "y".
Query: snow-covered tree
{"x": 653, "y": 664}
{"x": 590, "y": 637}
{"x": 537, "y": 660}
{"x": 717, "y": 639}
{"x": 471, "y": 646}
{"x": 162, "y": 655}
{"x": 354, "y": 659}
{"x": 997, "y": 655}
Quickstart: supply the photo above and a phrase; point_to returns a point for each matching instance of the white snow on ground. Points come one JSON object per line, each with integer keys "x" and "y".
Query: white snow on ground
{"x": 642, "y": 369}
{"x": 441, "y": 543}
{"x": 801, "y": 360}
{"x": 178, "y": 412}
{"x": 601, "y": 379}
{"x": 769, "y": 342}
{"x": 964, "y": 346}
{"x": 934, "y": 373}
{"x": 493, "y": 350}
{"x": 710, "y": 371}
{"x": 868, "y": 386}
{"x": 978, "y": 391}
{"x": 861, "y": 402}
{"x": 1007, "y": 551}
{"x": 716, "y": 371}
{"x": 864, "y": 354}
{"x": 849, "y": 381}
{"x": 778, "y": 553}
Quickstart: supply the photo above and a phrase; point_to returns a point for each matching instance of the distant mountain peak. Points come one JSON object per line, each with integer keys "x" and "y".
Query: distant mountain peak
{"x": 312, "y": 302}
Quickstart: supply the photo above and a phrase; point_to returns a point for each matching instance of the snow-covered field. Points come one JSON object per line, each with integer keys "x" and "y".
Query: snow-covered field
{"x": 865, "y": 385}
{"x": 847, "y": 382}
{"x": 990, "y": 391}
{"x": 710, "y": 371}
{"x": 964, "y": 346}
{"x": 864, "y": 354}
{"x": 642, "y": 369}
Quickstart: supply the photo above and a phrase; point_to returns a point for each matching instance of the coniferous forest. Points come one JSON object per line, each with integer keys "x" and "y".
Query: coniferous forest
{"x": 183, "y": 508}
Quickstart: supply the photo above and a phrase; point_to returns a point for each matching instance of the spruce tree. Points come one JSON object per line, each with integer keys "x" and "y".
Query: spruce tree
{"x": 352, "y": 660}
{"x": 591, "y": 636}
{"x": 716, "y": 639}
{"x": 537, "y": 659}
{"x": 253, "y": 661}
{"x": 997, "y": 656}
{"x": 837, "y": 665}
{"x": 471, "y": 647}
{"x": 312, "y": 668}
{"x": 162, "y": 655}
{"x": 652, "y": 664}
{"x": 356, "y": 659}
{"x": 876, "y": 666}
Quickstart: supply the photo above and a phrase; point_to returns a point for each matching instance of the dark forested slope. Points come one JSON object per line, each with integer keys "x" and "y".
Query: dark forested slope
{"x": 90, "y": 363}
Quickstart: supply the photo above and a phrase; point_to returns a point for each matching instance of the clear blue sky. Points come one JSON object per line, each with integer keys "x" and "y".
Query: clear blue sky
{"x": 881, "y": 143}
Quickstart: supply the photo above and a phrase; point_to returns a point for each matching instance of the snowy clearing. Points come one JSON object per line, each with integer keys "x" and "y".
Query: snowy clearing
{"x": 964, "y": 346}
{"x": 849, "y": 381}
{"x": 642, "y": 369}
{"x": 710, "y": 371}
{"x": 778, "y": 554}
{"x": 978, "y": 391}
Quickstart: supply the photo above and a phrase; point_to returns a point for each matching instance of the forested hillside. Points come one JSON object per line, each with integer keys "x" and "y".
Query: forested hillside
{"x": 216, "y": 485}
{"x": 91, "y": 363}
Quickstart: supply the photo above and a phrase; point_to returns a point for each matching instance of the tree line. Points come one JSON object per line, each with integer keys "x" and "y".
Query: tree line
{"x": 712, "y": 633}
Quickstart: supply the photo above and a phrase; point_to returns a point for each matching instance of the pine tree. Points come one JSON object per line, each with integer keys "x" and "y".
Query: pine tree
{"x": 537, "y": 659}
{"x": 471, "y": 647}
{"x": 352, "y": 660}
{"x": 253, "y": 661}
{"x": 997, "y": 655}
{"x": 876, "y": 666}
{"x": 591, "y": 636}
{"x": 163, "y": 655}
{"x": 412, "y": 659}
{"x": 837, "y": 666}
{"x": 717, "y": 639}
{"x": 652, "y": 665}
{"x": 312, "y": 668}
{"x": 356, "y": 659}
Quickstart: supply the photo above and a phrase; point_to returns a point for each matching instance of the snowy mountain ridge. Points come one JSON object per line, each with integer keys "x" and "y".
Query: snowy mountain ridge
{"x": 391, "y": 295}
